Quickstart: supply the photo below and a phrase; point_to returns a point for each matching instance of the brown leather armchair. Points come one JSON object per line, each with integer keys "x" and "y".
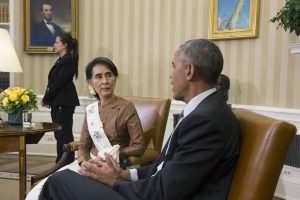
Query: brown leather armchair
{"x": 264, "y": 145}
{"x": 153, "y": 113}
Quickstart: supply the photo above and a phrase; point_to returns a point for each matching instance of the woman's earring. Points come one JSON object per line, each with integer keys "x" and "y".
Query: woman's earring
{"x": 91, "y": 90}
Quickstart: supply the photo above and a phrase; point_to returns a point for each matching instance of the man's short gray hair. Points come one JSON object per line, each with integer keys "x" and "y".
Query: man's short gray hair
{"x": 206, "y": 56}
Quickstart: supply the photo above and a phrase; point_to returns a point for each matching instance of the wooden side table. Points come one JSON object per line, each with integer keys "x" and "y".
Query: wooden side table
{"x": 13, "y": 138}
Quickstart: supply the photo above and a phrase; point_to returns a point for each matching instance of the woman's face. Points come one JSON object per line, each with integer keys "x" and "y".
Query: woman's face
{"x": 58, "y": 46}
{"x": 103, "y": 81}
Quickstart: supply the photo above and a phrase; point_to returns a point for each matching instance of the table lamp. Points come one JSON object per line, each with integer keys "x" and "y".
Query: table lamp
{"x": 9, "y": 61}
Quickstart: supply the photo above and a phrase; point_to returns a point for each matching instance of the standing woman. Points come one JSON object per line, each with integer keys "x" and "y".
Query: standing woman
{"x": 61, "y": 95}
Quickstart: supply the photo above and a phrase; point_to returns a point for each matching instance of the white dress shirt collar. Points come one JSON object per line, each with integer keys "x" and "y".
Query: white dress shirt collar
{"x": 194, "y": 102}
{"x": 50, "y": 26}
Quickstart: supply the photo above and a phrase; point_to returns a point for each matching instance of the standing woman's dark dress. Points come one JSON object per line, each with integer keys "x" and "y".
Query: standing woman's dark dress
{"x": 61, "y": 93}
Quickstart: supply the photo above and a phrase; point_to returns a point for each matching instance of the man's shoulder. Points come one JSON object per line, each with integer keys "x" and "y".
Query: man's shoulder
{"x": 57, "y": 27}
{"x": 211, "y": 102}
{"x": 39, "y": 28}
{"x": 215, "y": 108}
{"x": 39, "y": 25}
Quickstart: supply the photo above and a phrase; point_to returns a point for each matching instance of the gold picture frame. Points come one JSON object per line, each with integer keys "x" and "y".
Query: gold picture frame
{"x": 44, "y": 20}
{"x": 236, "y": 20}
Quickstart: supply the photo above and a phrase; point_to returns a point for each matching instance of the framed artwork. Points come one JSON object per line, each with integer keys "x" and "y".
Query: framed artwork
{"x": 233, "y": 19}
{"x": 45, "y": 19}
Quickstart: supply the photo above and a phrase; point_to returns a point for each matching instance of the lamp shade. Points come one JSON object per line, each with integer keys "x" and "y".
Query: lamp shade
{"x": 9, "y": 61}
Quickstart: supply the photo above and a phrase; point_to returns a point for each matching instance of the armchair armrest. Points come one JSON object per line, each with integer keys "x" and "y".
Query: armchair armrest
{"x": 72, "y": 146}
{"x": 68, "y": 148}
{"x": 148, "y": 157}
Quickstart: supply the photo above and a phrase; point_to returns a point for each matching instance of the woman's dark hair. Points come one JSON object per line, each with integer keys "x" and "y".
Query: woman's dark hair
{"x": 223, "y": 85}
{"x": 72, "y": 48}
{"x": 100, "y": 61}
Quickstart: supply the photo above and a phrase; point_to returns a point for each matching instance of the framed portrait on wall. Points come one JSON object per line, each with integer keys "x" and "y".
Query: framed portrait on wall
{"x": 234, "y": 19}
{"x": 45, "y": 19}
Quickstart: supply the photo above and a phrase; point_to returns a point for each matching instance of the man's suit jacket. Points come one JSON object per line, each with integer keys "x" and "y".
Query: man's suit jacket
{"x": 61, "y": 90}
{"x": 42, "y": 36}
{"x": 200, "y": 161}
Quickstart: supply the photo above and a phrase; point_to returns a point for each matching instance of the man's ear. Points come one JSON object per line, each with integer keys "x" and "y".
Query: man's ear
{"x": 190, "y": 71}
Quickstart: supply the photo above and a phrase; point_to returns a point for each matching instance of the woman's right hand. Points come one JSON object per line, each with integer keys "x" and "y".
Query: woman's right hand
{"x": 44, "y": 105}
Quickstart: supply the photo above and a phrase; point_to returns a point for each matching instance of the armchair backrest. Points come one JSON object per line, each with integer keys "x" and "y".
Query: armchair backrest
{"x": 153, "y": 113}
{"x": 264, "y": 146}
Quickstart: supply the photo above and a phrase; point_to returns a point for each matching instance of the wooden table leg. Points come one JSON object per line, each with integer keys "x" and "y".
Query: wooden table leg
{"x": 22, "y": 168}
{"x": 14, "y": 138}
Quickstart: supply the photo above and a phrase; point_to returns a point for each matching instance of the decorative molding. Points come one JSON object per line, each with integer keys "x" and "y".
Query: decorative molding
{"x": 289, "y": 184}
{"x": 294, "y": 48}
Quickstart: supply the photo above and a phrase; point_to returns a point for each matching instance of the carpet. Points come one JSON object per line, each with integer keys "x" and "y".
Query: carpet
{"x": 35, "y": 164}
{"x": 14, "y": 176}
{"x": 9, "y": 173}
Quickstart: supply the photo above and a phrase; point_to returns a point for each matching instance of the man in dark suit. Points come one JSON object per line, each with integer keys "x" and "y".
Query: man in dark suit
{"x": 197, "y": 162}
{"x": 44, "y": 33}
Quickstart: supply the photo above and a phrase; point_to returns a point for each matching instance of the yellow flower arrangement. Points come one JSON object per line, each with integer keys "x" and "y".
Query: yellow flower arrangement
{"x": 16, "y": 98}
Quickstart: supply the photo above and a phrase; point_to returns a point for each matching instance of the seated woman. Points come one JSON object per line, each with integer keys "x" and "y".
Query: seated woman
{"x": 118, "y": 117}
{"x": 109, "y": 124}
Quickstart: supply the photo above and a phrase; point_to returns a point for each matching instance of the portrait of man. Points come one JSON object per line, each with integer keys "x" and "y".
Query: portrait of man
{"x": 49, "y": 19}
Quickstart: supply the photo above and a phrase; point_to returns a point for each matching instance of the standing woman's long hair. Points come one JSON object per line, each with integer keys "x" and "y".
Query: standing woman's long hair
{"x": 72, "y": 48}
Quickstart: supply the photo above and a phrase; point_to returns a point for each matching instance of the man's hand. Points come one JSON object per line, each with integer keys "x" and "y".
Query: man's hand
{"x": 107, "y": 172}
